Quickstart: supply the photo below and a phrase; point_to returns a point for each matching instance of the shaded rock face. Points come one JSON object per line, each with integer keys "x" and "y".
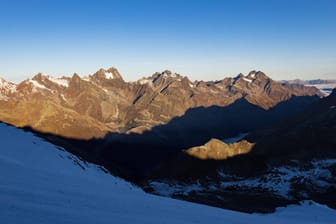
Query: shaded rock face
{"x": 104, "y": 102}
{"x": 288, "y": 162}
{"x": 157, "y": 151}
{"x": 308, "y": 134}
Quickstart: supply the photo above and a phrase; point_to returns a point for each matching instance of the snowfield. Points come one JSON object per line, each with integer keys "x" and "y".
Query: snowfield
{"x": 41, "y": 183}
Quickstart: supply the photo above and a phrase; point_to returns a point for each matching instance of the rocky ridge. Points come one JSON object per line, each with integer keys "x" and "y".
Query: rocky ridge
{"x": 92, "y": 106}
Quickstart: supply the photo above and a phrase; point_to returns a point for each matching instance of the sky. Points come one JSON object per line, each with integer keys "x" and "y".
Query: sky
{"x": 204, "y": 40}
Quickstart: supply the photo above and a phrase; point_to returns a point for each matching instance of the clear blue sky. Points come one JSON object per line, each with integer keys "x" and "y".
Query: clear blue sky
{"x": 202, "y": 39}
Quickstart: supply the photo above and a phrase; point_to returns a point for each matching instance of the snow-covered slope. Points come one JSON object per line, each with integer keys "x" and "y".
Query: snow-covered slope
{"x": 40, "y": 183}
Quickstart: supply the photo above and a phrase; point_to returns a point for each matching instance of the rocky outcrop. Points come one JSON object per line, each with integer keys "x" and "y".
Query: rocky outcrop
{"x": 218, "y": 150}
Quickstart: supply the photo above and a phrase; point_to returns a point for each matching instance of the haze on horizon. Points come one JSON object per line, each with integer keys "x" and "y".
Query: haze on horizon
{"x": 201, "y": 39}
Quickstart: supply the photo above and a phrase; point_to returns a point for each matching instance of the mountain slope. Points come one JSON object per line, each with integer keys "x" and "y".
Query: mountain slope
{"x": 289, "y": 161}
{"x": 117, "y": 151}
{"x": 308, "y": 134}
{"x": 40, "y": 183}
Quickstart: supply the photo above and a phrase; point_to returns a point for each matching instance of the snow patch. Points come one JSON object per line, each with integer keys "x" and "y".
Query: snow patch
{"x": 109, "y": 75}
{"x": 86, "y": 78}
{"x": 59, "y": 81}
{"x": 145, "y": 81}
{"x": 247, "y": 80}
{"x": 37, "y": 85}
{"x": 63, "y": 97}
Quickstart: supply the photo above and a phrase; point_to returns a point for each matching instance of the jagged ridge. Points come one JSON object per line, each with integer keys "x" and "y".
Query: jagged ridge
{"x": 103, "y": 102}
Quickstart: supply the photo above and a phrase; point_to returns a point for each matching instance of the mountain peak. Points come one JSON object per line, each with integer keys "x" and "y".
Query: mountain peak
{"x": 261, "y": 74}
{"x": 111, "y": 73}
{"x": 249, "y": 78}
{"x": 164, "y": 76}
{"x": 168, "y": 73}
{"x": 240, "y": 75}
{"x": 75, "y": 76}
{"x": 257, "y": 75}
{"x": 39, "y": 75}
{"x": 252, "y": 74}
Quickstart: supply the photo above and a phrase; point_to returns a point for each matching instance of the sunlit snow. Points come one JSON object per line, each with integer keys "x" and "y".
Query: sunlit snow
{"x": 247, "y": 80}
{"x": 109, "y": 75}
{"x": 60, "y": 81}
{"x": 37, "y": 85}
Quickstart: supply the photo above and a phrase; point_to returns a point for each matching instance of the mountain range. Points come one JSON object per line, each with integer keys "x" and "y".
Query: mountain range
{"x": 104, "y": 102}
{"x": 167, "y": 133}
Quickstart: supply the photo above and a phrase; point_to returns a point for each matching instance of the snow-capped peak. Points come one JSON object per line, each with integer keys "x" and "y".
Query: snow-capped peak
{"x": 170, "y": 75}
{"x": 41, "y": 78}
{"x": 252, "y": 74}
{"x": 111, "y": 73}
